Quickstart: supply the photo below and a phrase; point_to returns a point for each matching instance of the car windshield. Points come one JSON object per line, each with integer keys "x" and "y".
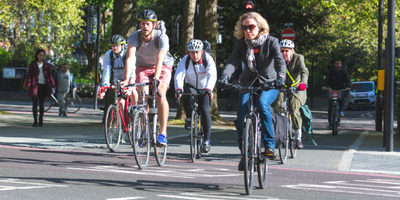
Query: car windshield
{"x": 362, "y": 87}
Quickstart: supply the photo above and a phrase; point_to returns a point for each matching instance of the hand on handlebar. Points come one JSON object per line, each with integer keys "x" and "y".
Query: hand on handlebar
{"x": 178, "y": 93}
{"x": 347, "y": 89}
{"x": 302, "y": 86}
{"x": 323, "y": 88}
{"x": 208, "y": 92}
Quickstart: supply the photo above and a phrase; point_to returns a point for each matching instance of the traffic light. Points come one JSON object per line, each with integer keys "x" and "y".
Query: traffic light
{"x": 89, "y": 19}
{"x": 220, "y": 19}
{"x": 249, "y": 6}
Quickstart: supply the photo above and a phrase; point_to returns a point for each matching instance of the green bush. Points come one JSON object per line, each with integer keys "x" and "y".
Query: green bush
{"x": 5, "y": 57}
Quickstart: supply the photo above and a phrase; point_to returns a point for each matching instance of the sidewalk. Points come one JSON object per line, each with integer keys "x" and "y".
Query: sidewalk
{"x": 84, "y": 132}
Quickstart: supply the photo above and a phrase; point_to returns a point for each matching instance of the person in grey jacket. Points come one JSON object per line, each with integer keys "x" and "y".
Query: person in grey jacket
{"x": 263, "y": 61}
{"x": 65, "y": 85}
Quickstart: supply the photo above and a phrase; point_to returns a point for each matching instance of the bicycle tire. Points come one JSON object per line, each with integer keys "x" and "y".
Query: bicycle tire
{"x": 141, "y": 139}
{"x": 112, "y": 128}
{"x": 262, "y": 166}
{"x": 284, "y": 150}
{"x": 74, "y": 104}
{"x": 292, "y": 142}
{"x": 160, "y": 152}
{"x": 248, "y": 148}
{"x": 200, "y": 140}
{"x": 334, "y": 121}
{"x": 193, "y": 138}
{"x": 131, "y": 113}
{"x": 48, "y": 103}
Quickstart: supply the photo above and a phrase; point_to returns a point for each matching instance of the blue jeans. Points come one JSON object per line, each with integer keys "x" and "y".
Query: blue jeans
{"x": 341, "y": 104}
{"x": 264, "y": 101}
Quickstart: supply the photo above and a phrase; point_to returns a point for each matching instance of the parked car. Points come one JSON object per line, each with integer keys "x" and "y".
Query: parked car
{"x": 362, "y": 95}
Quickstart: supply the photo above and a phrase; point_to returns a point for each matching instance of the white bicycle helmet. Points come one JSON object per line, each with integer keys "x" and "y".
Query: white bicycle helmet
{"x": 195, "y": 45}
{"x": 287, "y": 44}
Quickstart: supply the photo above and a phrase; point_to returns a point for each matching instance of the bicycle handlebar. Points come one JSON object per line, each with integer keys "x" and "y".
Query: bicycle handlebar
{"x": 265, "y": 86}
{"x": 178, "y": 100}
{"x": 156, "y": 86}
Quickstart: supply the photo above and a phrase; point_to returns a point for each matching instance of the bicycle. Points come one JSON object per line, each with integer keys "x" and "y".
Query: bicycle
{"x": 335, "y": 95}
{"x": 145, "y": 131}
{"x": 74, "y": 104}
{"x": 115, "y": 119}
{"x": 252, "y": 146}
{"x": 196, "y": 130}
{"x": 289, "y": 143}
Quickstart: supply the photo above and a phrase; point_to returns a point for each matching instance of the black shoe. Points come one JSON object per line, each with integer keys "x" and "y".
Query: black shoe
{"x": 65, "y": 115}
{"x": 60, "y": 114}
{"x": 270, "y": 153}
{"x": 241, "y": 163}
{"x": 329, "y": 127}
{"x": 206, "y": 147}
{"x": 40, "y": 124}
{"x": 34, "y": 124}
{"x": 299, "y": 144}
{"x": 187, "y": 123}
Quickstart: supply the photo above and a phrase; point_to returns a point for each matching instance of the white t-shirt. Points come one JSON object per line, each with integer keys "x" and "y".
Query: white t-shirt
{"x": 42, "y": 79}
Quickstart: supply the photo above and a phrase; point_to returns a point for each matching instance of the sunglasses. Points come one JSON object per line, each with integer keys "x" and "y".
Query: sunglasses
{"x": 250, "y": 27}
{"x": 285, "y": 51}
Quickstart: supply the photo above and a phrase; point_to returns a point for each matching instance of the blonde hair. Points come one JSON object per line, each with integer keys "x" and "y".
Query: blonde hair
{"x": 261, "y": 22}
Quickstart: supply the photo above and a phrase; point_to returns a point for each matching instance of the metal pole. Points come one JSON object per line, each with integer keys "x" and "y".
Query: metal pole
{"x": 96, "y": 84}
{"x": 378, "y": 110}
{"x": 312, "y": 85}
{"x": 388, "y": 124}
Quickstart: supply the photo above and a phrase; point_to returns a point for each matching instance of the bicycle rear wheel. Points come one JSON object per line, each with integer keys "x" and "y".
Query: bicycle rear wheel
{"x": 248, "y": 148}
{"x": 49, "y": 103}
{"x": 160, "y": 151}
{"x": 112, "y": 127}
{"x": 141, "y": 139}
{"x": 262, "y": 166}
{"x": 193, "y": 136}
{"x": 74, "y": 104}
{"x": 334, "y": 120}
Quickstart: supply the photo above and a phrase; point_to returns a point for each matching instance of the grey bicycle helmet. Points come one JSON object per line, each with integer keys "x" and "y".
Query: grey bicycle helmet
{"x": 195, "y": 45}
{"x": 117, "y": 39}
{"x": 148, "y": 15}
{"x": 287, "y": 44}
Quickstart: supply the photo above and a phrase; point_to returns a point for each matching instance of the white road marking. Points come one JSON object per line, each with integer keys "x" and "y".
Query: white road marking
{"x": 17, "y": 182}
{"x": 127, "y": 198}
{"x": 214, "y": 196}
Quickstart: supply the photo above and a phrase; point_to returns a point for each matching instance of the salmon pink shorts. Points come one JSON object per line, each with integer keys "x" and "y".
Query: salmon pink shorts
{"x": 146, "y": 74}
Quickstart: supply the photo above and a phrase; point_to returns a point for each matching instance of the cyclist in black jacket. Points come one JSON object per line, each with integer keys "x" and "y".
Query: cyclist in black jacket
{"x": 337, "y": 79}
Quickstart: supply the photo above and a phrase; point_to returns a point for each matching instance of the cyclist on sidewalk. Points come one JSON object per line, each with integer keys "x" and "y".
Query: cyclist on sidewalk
{"x": 297, "y": 76}
{"x": 261, "y": 55}
{"x": 337, "y": 79}
{"x": 151, "y": 45}
{"x": 199, "y": 79}
{"x": 114, "y": 60}
{"x": 65, "y": 86}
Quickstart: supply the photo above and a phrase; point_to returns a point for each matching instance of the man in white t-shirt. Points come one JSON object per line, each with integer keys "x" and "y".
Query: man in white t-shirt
{"x": 152, "y": 60}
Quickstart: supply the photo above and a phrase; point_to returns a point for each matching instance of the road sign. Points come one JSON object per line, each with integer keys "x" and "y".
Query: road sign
{"x": 288, "y": 34}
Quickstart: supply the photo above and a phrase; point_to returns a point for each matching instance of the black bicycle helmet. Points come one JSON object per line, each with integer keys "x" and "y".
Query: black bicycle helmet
{"x": 148, "y": 15}
{"x": 117, "y": 39}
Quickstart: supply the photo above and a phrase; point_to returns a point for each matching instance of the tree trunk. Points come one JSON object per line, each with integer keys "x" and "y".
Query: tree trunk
{"x": 124, "y": 23}
{"x": 187, "y": 35}
{"x": 208, "y": 25}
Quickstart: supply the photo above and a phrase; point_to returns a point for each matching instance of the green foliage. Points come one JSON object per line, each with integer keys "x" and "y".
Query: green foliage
{"x": 5, "y": 57}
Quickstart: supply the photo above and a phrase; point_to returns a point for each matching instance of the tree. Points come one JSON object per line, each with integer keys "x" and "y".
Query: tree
{"x": 187, "y": 35}
{"x": 209, "y": 32}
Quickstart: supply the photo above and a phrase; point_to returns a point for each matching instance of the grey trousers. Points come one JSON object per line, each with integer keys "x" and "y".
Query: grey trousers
{"x": 62, "y": 102}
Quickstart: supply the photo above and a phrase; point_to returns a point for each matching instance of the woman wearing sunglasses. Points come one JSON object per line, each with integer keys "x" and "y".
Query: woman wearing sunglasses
{"x": 263, "y": 61}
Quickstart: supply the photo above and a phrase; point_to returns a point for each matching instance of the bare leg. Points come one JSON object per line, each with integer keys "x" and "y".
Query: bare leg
{"x": 163, "y": 107}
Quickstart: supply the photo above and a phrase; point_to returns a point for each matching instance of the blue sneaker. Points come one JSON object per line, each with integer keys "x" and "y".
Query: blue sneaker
{"x": 162, "y": 140}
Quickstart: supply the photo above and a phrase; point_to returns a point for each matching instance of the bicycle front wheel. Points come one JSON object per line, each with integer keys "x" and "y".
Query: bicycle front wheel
{"x": 248, "y": 148}
{"x": 284, "y": 149}
{"x": 292, "y": 141}
{"x": 112, "y": 127}
{"x": 49, "y": 103}
{"x": 141, "y": 139}
{"x": 334, "y": 120}
{"x": 193, "y": 136}
{"x": 131, "y": 113}
{"x": 262, "y": 166}
{"x": 160, "y": 151}
{"x": 74, "y": 104}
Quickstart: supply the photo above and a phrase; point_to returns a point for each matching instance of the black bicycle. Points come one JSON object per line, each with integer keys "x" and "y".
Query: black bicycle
{"x": 252, "y": 146}
{"x": 74, "y": 103}
{"x": 196, "y": 129}
{"x": 145, "y": 129}
{"x": 335, "y": 95}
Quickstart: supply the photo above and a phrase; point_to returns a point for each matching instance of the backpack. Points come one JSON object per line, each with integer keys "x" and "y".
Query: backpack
{"x": 207, "y": 49}
{"x": 280, "y": 126}
{"x": 306, "y": 117}
{"x": 112, "y": 60}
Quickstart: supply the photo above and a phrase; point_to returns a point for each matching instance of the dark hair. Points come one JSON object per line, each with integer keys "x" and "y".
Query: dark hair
{"x": 38, "y": 52}
{"x": 64, "y": 64}
{"x": 336, "y": 60}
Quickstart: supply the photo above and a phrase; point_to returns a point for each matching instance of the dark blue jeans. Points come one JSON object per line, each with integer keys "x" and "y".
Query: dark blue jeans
{"x": 264, "y": 101}
{"x": 341, "y": 104}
